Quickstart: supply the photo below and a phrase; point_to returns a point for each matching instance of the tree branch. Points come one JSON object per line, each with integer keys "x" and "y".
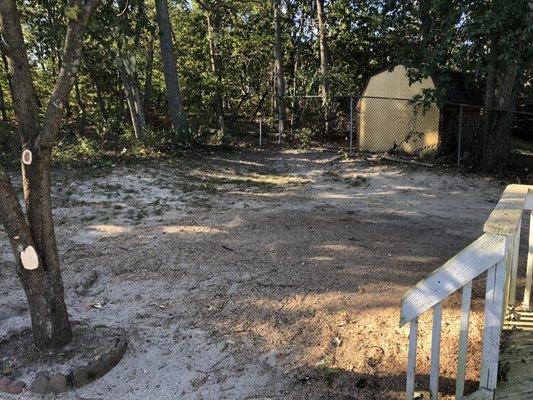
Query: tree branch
{"x": 24, "y": 98}
{"x": 67, "y": 73}
{"x": 11, "y": 215}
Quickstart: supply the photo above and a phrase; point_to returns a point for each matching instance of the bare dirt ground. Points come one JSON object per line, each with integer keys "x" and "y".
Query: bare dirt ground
{"x": 258, "y": 275}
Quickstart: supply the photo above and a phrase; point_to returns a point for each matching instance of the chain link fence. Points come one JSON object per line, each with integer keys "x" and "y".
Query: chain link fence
{"x": 405, "y": 128}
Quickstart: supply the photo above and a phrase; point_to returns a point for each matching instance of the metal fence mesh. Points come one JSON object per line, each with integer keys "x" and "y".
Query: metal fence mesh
{"x": 448, "y": 133}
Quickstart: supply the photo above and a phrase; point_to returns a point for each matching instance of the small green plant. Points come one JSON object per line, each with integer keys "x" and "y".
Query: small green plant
{"x": 83, "y": 148}
{"x": 304, "y": 136}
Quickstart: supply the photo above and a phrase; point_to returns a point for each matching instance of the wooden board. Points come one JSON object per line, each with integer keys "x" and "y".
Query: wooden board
{"x": 517, "y": 359}
{"x": 454, "y": 274}
{"x": 505, "y": 218}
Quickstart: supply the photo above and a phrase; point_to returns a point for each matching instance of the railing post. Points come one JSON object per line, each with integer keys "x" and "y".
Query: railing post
{"x": 435, "y": 352}
{"x": 411, "y": 360}
{"x": 514, "y": 266}
{"x": 529, "y": 272}
{"x": 494, "y": 304}
{"x": 466, "y": 296}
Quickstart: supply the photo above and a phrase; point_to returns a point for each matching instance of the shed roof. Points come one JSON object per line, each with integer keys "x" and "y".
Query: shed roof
{"x": 453, "y": 85}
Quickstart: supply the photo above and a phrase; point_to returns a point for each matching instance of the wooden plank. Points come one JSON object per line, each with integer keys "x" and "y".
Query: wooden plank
{"x": 529, "y": 271}
{"x": 504, "y": 219}
{"x": 493, "y": 325}
{"x": 406, "y": 161}
{"x": 466, "y": 296}
{"x": 411, "y": 360}
{"x": 454, "y": 274}
{"x": 435, "y": 352}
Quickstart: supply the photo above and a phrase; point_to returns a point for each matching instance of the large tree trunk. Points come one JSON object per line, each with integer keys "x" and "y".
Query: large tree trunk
{"x": 32, "y": 236}
{"x": 279, "y": 70}
{"x": 504, "y": 81}
{"x": 175, "y": 104}
{"x": 213, "y": 30}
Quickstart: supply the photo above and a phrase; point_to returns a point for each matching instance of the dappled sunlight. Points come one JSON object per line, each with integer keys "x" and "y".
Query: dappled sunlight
{"x": 337, "y": 247}
{"x": 192, "y": 229}
{"x": 110, "y": 230}
{"x": 338, "y": 196}
{"x": 321, "y": 258}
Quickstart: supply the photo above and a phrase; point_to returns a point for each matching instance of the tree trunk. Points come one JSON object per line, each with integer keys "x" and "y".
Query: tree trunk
{"x": 175, "y": 105}
{"x": 100, "y": 100}
{"x": 133, "y": 98}
{"x": 32, "y": 236}
{"x": 504, "y": 81}
{"x": 148, "y": 81}
{"x": 280, "y": 78}
{"x": 213, "y": 28}
{"x": 324, "y": 52}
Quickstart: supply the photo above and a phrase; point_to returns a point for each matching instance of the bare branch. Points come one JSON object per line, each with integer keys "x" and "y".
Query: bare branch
{"x": 67, "y": 73}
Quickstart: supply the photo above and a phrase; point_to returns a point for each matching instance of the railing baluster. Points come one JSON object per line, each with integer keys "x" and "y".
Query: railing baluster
{"x": 411, "y": 360}
{"x": 494, "y": 301}
{"x": 435, "y": 352}
{"x": 466, "y": 296}
{"x": 514, "y": 265}
{"x": 529, "y": 272}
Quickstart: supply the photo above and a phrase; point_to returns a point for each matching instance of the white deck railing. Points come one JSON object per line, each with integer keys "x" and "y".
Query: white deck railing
{"x": 496, "y": 253}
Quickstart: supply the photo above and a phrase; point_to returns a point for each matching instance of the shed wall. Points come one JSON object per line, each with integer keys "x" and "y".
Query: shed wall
{"x": 384, "y": 123}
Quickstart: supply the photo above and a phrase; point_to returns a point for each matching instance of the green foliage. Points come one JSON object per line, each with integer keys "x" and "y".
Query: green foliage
{"x": 363, "y": 36}
{"x": 304, "y": 136}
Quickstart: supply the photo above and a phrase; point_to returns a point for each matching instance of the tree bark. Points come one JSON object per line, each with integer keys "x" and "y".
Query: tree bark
{"x": 213, "y": 32}
{"x": 43, "y": 285}
{"x": 175, "y": 104}
{"x": 279, "y": 68}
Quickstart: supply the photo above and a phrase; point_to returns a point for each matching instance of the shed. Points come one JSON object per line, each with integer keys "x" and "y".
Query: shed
{"x": 388, "y": 119}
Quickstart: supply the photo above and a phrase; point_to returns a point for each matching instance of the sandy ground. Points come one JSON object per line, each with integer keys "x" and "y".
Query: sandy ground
{"x": 259, "y": 275}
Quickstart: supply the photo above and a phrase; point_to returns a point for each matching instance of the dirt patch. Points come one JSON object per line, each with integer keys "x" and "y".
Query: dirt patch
{"x": 93, "y": 351}
{"x": 271, "y": 274}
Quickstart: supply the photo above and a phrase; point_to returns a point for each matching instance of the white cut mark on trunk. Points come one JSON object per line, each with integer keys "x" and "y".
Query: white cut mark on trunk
{"x": 29, "y": 258}
{"x": 27, "y": 157}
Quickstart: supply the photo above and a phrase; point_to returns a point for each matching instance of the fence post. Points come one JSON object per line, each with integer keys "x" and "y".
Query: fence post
{"x": 351, "y": 125}
{"x": 260, "y": 129}
{"x": 459, "y": 135}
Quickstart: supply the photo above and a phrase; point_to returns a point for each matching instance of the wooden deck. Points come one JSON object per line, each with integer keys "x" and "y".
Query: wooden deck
{"x": 516, "y": 358}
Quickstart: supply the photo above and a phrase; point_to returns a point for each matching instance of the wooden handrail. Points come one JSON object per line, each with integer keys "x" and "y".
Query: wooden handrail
{"x": 475, "y": 259}
{"x": 505, "y": 217}
{"x": 496, "y": 253}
